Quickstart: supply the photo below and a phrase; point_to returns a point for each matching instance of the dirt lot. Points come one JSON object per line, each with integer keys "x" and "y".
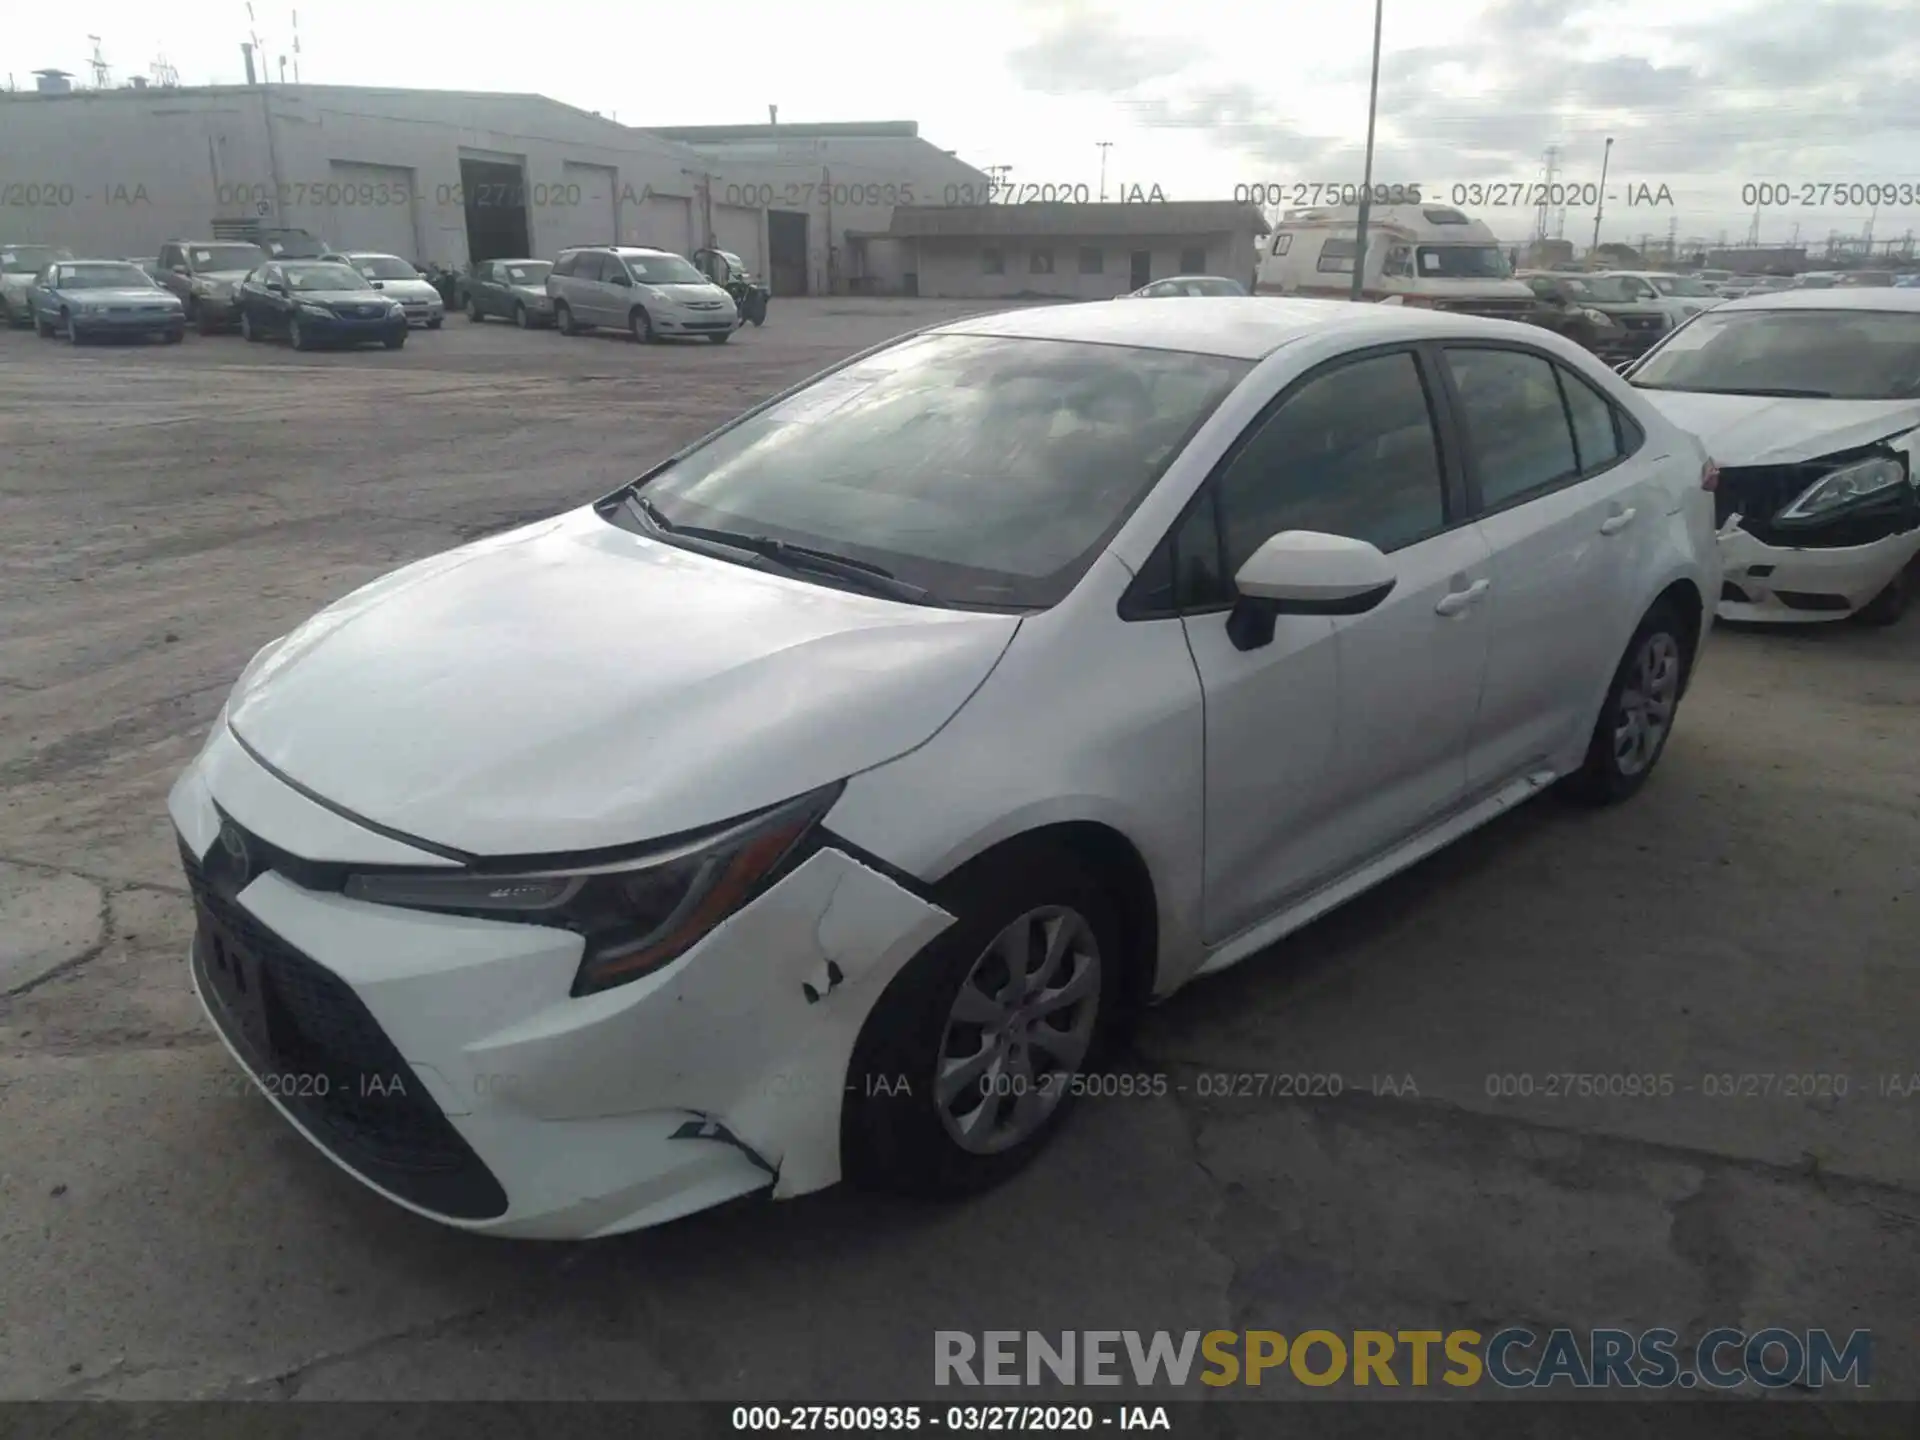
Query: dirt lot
{"x": 163, "y": 512}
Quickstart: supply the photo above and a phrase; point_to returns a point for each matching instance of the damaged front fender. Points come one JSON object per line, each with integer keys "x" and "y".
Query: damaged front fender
{"x": 753, "y": 1029}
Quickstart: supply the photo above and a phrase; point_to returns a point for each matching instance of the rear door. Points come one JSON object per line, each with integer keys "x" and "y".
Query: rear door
{"x": 1568, "y": 503}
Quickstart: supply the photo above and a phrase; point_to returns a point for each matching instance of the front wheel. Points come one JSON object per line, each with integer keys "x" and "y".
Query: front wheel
{"x": 297, "y": 334}
{"x": 1891, "y": 603}
{"x": 1637, "y": 717}
{"x": 394, "y": 342}
{"x": 71, "y": 329}
{"x": 248, "y": 331}
{"x": 973, "y": 1053}
{"x": 520, "y": 317}
{"x": 721, "y": 338}
{"x": 435, "y": 323}
{"x": 641, "y": 325}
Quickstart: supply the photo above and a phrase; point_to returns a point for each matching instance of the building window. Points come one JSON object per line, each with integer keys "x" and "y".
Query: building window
{"x": 1193, "y": 262}
{"x": 1092, "y": 260}
{"x": 992, "y": 263}
{"x": 1040, "y": 263}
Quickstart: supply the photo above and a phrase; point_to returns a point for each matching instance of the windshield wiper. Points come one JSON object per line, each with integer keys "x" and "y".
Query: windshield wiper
{"x": 870, "y": 577}
{"x": 1776, "y": 392}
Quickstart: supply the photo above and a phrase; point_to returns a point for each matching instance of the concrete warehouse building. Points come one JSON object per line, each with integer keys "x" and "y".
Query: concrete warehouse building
{"x": 444, "y": 176}
{"x": 1077, "y": 252}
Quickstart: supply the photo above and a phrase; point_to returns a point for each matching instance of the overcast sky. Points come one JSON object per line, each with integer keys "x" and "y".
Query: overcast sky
{"x": 1196, "y": 97}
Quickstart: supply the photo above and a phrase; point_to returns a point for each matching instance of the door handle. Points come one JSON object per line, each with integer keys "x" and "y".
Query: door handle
{"x": 1454, "y": 601}
{"x": 1614, "y": 524}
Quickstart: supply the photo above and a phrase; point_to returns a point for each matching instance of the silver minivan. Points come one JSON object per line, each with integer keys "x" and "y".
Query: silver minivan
{"x": 648, "y": 292}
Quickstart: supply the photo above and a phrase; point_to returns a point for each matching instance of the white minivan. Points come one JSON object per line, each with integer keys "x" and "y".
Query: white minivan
{"x": 1421, "y": 255}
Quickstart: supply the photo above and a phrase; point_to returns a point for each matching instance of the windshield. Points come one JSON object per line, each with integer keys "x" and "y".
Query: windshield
{"x": 533, "y": 273}
{"x": 1600, "y": 289}
{"x": 325, "y": 277}
{"x": 30, "y": 259}
{"x": 1464, "y": 262}
{"x": 385, "y": 267}
{"x": 989, "y": 471}
{"x": 1679, "y": 285}
{"x": 1845, "y": 354}
{"x": 101, "y": 277}
{"x": 226, "y": 257}
{"x": 663, "y": 270}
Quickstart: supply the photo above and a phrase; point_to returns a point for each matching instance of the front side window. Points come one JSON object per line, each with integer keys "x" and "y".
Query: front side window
{"x": 990, "y": 471}
{"x": 1516, "y": 423}
{"x": 1825, "y": 354}
{"x": 1351, "y": 452}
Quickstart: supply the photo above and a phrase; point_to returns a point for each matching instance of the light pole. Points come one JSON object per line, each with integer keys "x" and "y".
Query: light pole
{"x": 1600, "y": 200}
{"x": 1105, "y": 145}
{"x": 1366, "y": 184}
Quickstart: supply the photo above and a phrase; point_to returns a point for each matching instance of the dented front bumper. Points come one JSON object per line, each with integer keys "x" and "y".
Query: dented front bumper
{"x": 720, "y": 1075}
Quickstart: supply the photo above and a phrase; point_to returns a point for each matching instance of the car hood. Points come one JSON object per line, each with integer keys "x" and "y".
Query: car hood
{"x": 408, "y": 290}
{"x": 222, "y": 277}
{"x": 345, "y": 297}
{"x": 1776, "y": 430}
{"x": 120, "y": 295}
{"x": 700, "y": 291}
{"x": 572, "y": 685}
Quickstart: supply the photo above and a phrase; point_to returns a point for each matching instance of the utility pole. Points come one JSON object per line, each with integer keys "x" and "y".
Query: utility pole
{"x": 1105, "y": 145}
{"x": 1366, "y": 184}
{"x": 1600, "y": 205}
{"x": 102, "y": 77}
{"x": 1546, "y": 188}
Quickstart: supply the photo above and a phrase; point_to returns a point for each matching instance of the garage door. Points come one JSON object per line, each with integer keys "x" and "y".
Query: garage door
{"x": 369, "y": 207}
{"x": 666, "y": 223}
{"x": 738, "y": 229}
{"x": 581, "y": 209}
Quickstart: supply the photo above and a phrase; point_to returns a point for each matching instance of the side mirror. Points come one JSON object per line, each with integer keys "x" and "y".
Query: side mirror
{"x": 1303, "y": 572}
{"x": 619, "y": 277}
{"x": 379, "y": 284}
{"x": 274, "y": 287}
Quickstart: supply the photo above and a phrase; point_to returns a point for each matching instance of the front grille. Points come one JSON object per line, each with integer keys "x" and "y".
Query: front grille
{"x": 1809, "y": 600}
{"x": 1760, "y": 492}
{"x": 307, "y": 1036}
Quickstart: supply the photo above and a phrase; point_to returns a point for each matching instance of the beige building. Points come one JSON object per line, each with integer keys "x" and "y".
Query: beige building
{"x": 817, "y": 183}
{"x": 1076, "y": 252}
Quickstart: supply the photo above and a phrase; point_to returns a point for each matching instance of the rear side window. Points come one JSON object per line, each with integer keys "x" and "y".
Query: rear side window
{"x": 1282, "y": 243}
{"x": 1516, "y": 423}
{"x": 1594, "y": 439}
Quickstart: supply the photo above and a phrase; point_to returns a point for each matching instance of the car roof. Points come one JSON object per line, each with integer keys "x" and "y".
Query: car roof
{"x": 1888, "y": 297}
{"x": 1241, "y": 327}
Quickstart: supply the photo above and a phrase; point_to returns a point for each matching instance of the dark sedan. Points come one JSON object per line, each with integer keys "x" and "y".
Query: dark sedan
{"x": 314, "y": 303}
{"x": 102, "y": 299}
{"x": 1598, "y": 312}
{"x": 514, "y": 290}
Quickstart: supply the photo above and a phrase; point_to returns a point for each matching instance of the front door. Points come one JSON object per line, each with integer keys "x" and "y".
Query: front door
{"x": 1568, "y": 514}
{"x": 1346, "y": 735}
{"x": 1141, "y": 268}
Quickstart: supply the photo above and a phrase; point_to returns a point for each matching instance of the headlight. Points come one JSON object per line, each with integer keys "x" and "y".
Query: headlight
{"x": 1598, "y": 317}
{"x": 307, "y": 307}
{"x": 1845, "y": 486}
{"x": 395, "y": 308}
{"x": 636, "y": 915}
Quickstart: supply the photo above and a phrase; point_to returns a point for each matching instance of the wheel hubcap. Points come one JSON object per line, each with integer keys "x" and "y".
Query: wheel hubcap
{"x": 1646, "y": 703}
{"x": 1019, "y": 1030}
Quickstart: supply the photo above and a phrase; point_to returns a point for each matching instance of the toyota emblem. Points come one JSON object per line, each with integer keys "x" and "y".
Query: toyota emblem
{"x": 239, "y": 857}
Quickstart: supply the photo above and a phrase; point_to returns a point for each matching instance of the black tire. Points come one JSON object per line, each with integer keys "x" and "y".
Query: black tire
{"x": 173, "y": 337}
{"x": 721, "y": 338}
{"x": 435, "y": 324}
{"x": 203, "y": 322}
{"x": 1602, "y": 779}
{"x": 473, "y": 310}
{"x": 563, "y": 317}
{"x": 70, "y": 330}
{"x": 394, "y": 342}
{"x": 1891, "y": 603}
{"x": 520, "y": 317}
{"x": 296, "y": 334}
{"x": 247, "y": 330}
{"x": 641, "y": 324}
{"x": 892, "y": 1136}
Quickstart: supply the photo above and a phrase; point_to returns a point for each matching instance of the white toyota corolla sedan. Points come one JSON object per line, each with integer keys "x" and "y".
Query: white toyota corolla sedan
{"x": 817, "y": 804}
{"x": 1809, "y": 400}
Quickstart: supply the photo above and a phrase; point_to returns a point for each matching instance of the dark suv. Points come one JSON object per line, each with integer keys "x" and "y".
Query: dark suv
{"x": 1598, "y": 312}
{"x": 206, "y": 275}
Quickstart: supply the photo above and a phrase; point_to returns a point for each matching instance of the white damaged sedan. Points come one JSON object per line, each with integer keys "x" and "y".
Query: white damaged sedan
{"x": 818, "y": 804}
{"x": 1809, "y": 401}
